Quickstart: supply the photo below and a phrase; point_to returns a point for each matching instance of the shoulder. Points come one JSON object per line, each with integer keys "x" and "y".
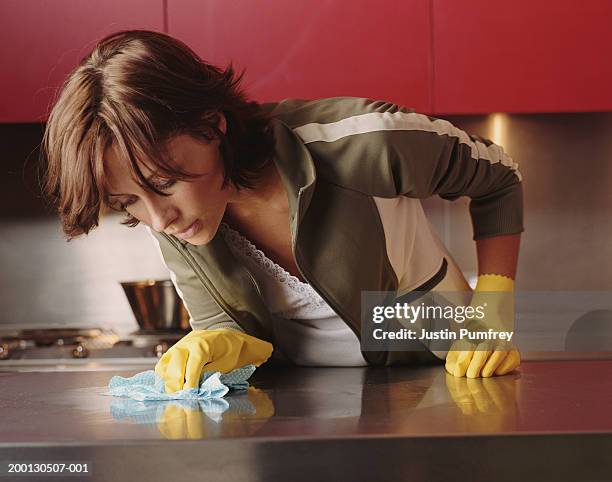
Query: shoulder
{"x": 297, "y": 113}
{"x": 350, "y": 139}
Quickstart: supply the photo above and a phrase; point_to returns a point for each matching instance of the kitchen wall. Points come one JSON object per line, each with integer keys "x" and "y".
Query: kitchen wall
{"x": 566, "y": 163}
{"x": 565, "y": 160}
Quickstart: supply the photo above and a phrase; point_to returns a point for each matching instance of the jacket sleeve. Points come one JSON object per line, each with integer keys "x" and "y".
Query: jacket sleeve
{"x": 445, "y": 160}
{"x": 386, "y": 150}
{"x": 204, "y": 312}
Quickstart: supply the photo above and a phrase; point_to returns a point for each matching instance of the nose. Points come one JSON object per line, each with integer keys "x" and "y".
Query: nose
{"x": 161, "y": 217}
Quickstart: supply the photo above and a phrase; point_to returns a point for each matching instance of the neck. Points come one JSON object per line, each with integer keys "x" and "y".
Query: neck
{"x": 267, "y": 197}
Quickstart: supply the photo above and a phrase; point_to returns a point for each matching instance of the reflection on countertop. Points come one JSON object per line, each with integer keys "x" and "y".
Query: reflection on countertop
{"x": 296, "y": 402}
{"x": 305, "y": 424}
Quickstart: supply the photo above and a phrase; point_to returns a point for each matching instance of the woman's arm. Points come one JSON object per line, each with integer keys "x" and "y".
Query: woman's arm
{"x": 498, "y": 255}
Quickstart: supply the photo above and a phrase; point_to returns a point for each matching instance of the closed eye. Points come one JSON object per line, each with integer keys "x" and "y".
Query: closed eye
{"x": 166, "y": 185}
{"x": 122, "y": 206}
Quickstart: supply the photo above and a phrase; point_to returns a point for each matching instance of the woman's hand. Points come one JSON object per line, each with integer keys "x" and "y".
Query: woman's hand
{"x": 222, "y": 350}
{"x": 495, "y": 295}
{"x": 482, "y": 360}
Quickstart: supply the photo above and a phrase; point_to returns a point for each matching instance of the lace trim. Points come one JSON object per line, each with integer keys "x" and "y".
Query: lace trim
{"x": 279, "y": 273}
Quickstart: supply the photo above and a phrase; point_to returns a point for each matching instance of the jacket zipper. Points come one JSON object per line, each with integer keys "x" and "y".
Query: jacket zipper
{"x": 211, "y": 289}
{"x": 427, "y": 286}
{"x": 314, "y": 285}
{"x": 320, "y": 293}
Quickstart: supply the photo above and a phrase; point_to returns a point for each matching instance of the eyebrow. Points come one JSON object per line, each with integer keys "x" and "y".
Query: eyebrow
{"x": 149, "y": 179}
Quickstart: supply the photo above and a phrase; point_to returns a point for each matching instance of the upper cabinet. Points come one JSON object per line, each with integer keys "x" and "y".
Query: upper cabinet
{"x": 522, "y": 56}
{"x": 438, "y": 56}
{"x": 45, "y": 40}
{"x": 325, "y": 48}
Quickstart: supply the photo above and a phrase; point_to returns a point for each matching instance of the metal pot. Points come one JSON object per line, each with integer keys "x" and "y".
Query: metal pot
{"x": 156, "y": 305}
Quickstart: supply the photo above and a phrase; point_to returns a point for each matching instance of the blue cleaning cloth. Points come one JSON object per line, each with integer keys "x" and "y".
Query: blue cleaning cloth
{"x": 152, "y": 411}
{"x": 147, "y": 386}
{"x": 147, "y": 412}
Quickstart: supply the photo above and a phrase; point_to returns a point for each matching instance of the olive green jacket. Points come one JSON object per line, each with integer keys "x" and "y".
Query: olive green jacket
{"x": 354, "y": 170}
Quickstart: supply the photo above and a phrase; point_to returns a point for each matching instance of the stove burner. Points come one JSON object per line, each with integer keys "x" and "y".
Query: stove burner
{"x": 59, "y": 336}
{"x": 158, "y": 340}
{"x": 80, "y": 352}
{"x": 4, "y": 351}
{"x": 54, "y": 342}
{"x": 78, "y": 343}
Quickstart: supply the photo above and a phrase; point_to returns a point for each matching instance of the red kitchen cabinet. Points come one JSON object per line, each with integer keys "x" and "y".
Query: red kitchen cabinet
{"x": 307, "y": 49}
{"x": 521, "y": 56}
{"x": 44, "y": 41}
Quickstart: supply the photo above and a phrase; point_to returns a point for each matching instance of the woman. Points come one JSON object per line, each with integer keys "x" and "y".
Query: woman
{"x": 273, "y": 219}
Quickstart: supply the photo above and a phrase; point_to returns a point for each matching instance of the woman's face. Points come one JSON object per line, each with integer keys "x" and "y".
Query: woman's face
{"x": 199, "y": 203}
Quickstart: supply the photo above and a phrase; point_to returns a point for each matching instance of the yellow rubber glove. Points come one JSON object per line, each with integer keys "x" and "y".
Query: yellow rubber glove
{"x": 178, "y": 422}
{"x": 486, "y": 405}
{"x": 222, "y": 350}
{"x": 490, "y": 357}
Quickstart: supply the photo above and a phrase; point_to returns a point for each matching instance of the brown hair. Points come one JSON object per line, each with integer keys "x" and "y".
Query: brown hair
{"x": 137, "y": 89}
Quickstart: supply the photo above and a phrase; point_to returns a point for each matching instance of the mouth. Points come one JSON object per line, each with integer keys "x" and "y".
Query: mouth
{"x": 191, "y": 230}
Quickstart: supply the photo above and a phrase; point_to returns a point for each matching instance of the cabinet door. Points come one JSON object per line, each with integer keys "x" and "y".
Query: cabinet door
{"x": 45, "y": 40}
{"x": 522, "y": 56}
{"x": 313, "y": 49}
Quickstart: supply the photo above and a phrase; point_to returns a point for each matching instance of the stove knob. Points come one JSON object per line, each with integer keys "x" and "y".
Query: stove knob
{"x": 80, "y": 352}
{"x": 160, "y": 348}
{"x": 4, "y": 351}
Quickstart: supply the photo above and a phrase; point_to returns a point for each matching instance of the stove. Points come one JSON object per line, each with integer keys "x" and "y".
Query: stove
{"x": 83, "y": 348}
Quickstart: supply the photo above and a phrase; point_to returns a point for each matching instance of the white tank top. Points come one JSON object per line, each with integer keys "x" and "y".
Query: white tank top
{"x": 305, "y": 328}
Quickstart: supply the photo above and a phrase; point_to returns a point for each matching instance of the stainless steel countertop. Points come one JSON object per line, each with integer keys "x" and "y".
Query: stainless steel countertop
{"x": 559, "y": 406}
